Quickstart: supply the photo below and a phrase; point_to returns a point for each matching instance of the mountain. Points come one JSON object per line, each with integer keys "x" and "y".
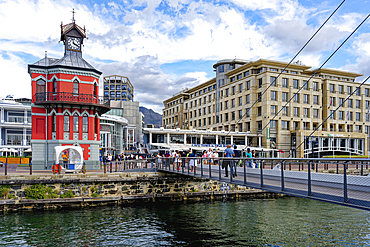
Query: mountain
{"x": 151, "y": 117}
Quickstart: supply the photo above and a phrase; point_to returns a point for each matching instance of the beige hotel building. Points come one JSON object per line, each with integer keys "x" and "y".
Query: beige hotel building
{"x": 222, "y": 102}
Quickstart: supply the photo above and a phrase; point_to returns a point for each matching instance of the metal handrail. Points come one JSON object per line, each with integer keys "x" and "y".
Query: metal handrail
{"x": 71, "y": 97}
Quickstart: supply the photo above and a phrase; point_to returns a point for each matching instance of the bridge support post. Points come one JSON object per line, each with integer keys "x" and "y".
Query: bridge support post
{"x": 245, "y": 173}
{"x": 309, "y": 192}
{"x": 261, "y": 174}
{"x": 188, "y": 165}
{"x": 219, "y": 169}
{"x": 282, "y": 175}
{"x": 201, "y": 168}
{"x": 345, "y": 192}
{"x": 210, "y": 171}
{"x": 362, "y": 168}
{"x": 231, "y": 164}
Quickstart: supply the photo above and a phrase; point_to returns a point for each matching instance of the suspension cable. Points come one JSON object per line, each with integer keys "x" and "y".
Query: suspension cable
{"x": 273, "y": 82}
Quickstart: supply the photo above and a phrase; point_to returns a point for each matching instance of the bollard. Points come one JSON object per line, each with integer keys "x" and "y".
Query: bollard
{"x": 116, "y": 166}
{"x": 84, "y": 168}
{"x": 290, "y": 166}
{"x": 6, "y": 168}
{"x": 105, "y": 168}
{"x": 60, "y": 169}
{"x": 30, "y": 168}
{"x": 110, "y": 167}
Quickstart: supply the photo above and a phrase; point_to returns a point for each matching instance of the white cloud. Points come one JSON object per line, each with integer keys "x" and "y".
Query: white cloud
{"x": 15, "y": 80}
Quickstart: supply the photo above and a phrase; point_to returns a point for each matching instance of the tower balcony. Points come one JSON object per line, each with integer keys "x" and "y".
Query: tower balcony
{"x": 72, "y": 99}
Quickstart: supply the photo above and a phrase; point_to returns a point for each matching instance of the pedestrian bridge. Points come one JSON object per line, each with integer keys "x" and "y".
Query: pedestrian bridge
{"x": 341, "y": 181}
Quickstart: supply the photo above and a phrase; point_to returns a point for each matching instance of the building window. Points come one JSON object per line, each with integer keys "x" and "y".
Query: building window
{"x": 341, "y": 115}
{"x": 232, "y": 103}
{"x": 66, "y": 123}
{"x": 315, "y": 86}
{"x": 259, "y": 97}
{"x": 273, "y": 81}
{"x": 240, "y": 88}
{"x": 246, "y": 73}
{"x": 349, "y": 89}
{"x": 75, "y": 123}
{"x": 106, "y": 87}
{"x": 295, "y": 84}
{"x": 350, "y": 103}
{"x": 238, "y": 77}
{"x": 55, "y": 84}
{"x": 259, "y": 82}
{"x": 247, "y": 99}
{"x": 54, "y": 122}
{"x": 285, "y": 82}
{"x": 226, "y": 117}
{"x": 315, "y": 99}
{"x": 233, "y": 115}
{"x": 315, "y": 113}
{"x": 331, "y": 88}
{"x": 227, "y": 92}
{"x": 358, "y": 116}
{"x": 112, "y": 87}
{"x": 273, "y": 95}
{"x": 340, "y": 102}
{"x": 306, "y": 99}
{"x": 284, "y": 125}
{"x": 232, "y": 79}
{"x": 85, "y": 123}
{"x": 220, "y": 68}
{"x": 233, "y": 90}
{"x": 240, "y": 114}
{"x": 226, "y": 105}
{"x": 248, "y": 85}
{"x": 259, "y": 111}
{"x": 306, "y": 112}
{"x": 75, "y": 87}
{"x": 332, "y": 115}
{"x": 273, "y": 124}
{"x": 285, "y": 97}
{"x": 285, "y": 111}
{"x": 358, "y": 92}
{"x": 296, "y": 111}
{"x": 366, "y": 92}
{"x": 240, "y": 99}
{"x": 305, "y": 83}
{"x": 112, "y": 94}
{"x": 296, "y": 98}
{"x": 340, "y": 89}
{"x": 358, "y": 103}
{"x": 273, "y": 110}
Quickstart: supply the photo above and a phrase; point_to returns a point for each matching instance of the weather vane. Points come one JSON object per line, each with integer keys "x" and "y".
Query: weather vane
{"x": 73, "y": 15}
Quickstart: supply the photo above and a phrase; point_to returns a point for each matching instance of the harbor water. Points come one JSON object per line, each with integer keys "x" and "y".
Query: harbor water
{"x": 263, "y": 222}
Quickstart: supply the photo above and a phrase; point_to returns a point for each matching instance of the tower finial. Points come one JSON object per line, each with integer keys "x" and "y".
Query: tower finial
{"x": 73, "y": 15}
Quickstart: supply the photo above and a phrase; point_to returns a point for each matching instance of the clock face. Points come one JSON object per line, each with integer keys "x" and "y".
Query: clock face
{"x": 74, "y": 43}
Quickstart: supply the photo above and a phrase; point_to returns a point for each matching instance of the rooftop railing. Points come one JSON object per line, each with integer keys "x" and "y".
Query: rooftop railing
{"x": 50, "y": 97}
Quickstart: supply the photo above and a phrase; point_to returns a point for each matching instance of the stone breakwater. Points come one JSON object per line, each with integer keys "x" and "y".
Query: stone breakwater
{"x": 140, "y": 187}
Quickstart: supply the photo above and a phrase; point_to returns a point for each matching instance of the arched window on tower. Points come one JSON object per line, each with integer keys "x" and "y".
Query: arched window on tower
{"x": 55, "y": 86}
{"x": 75, "y": 122}
{"x": 85, "y": 123}
{"x": 95, "y": 90}
{"x": 66, "y": 123}
{"x": 75, "y": 87}
{"x": 54, "y": 122}
{"x": 40, "y": 86}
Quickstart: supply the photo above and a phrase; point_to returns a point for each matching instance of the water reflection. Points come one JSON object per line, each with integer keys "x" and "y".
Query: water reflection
{"x": 272, "y": 222}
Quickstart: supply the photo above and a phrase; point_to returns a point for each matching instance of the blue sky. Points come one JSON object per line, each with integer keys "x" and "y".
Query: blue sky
{"x": 165, "y": 46}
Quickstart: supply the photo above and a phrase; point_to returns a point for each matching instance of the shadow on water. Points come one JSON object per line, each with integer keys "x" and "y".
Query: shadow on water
{"x": 269, "y": 222}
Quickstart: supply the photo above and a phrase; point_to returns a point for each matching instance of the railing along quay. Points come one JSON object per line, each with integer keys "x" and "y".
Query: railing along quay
{"x": 341, "y": 181}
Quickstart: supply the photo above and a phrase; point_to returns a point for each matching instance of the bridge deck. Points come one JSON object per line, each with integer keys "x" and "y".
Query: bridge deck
{"x": 324, "y": 187}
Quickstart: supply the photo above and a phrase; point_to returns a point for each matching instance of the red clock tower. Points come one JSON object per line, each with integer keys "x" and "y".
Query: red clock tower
{"x": 66, "y": 106}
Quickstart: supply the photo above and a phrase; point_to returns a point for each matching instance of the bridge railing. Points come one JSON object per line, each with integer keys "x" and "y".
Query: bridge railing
{"x": 342, "y": 181}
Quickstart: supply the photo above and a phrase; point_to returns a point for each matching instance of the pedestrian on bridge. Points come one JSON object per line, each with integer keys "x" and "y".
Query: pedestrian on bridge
{"x": 228, "y": 153}
{"x": 248, "y": 154}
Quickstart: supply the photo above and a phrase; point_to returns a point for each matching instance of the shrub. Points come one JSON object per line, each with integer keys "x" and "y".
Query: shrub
{"x": 94, "y": 194}
{"x": 67, "y": 194}
{"x": 40, "y": 191}
{"x": 11, "y": 196}
{"x": 36, "y": 191}
{"x": 4, "y": 190}
{"x": 93, "y": 189}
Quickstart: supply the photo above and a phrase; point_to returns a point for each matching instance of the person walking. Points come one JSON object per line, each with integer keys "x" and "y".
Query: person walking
{"x": 215, "y": 156}
{"x": 210, "y": 156}
{"x": 248, "y": 154}
{"x": 228, "y": 153}
{"x": 236, "y": 162}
